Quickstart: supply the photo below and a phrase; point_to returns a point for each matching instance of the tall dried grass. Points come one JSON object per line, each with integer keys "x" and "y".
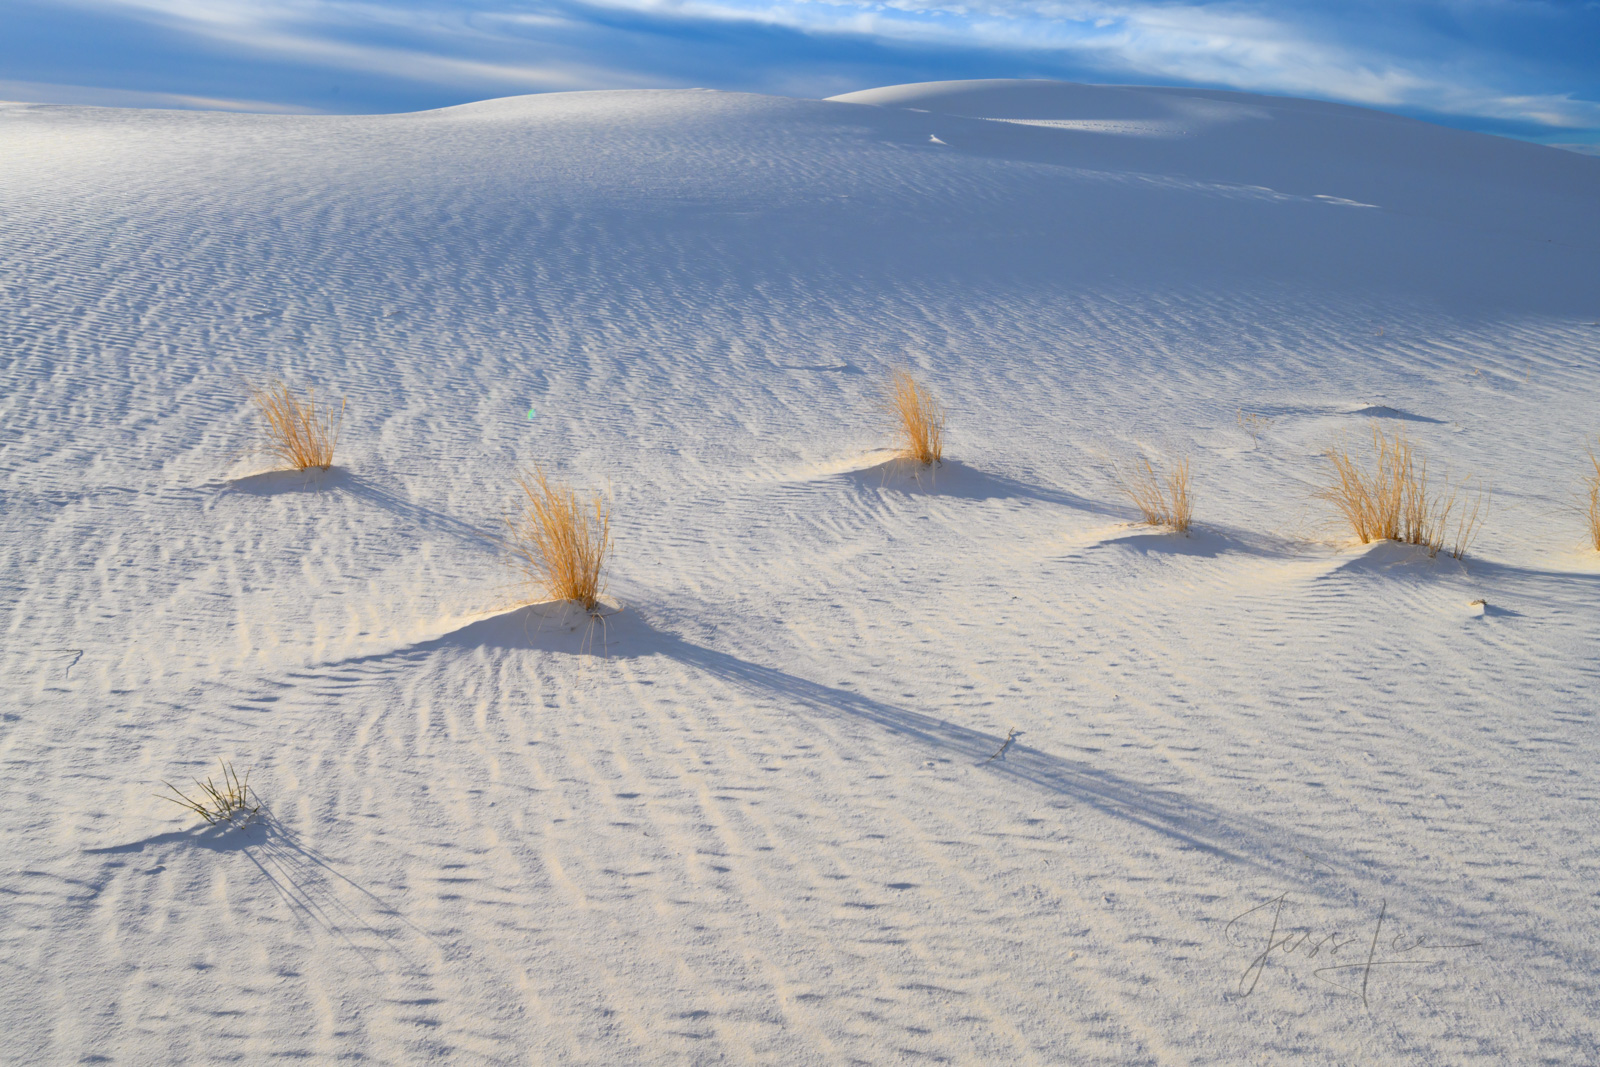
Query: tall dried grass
{"x": 1592, "y": 483}
{"x": 1162, "y": 501}
{"x": 229, "y": 802}
{"x": 560, "y": 543}
{"x": 918, "y": 418}
{"x": 298, "y": 433}
{"x": 1387, "y": 499}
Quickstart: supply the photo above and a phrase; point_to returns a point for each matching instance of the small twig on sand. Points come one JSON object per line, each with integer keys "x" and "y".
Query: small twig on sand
{"x": 1001, "y": 751}
{"x": 75, "y": 659}
{"x": 1312, "y": 858}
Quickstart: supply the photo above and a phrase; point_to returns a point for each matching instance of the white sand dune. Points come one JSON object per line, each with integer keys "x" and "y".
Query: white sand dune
{"x": 759, "y": 815}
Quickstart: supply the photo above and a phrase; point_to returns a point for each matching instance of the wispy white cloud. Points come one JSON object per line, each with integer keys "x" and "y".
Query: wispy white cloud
{"x": 320, "y": 33}
{"x": 1381, "y": 53}
{"x": 1240, "y": 47}
{"x": 22, "y": 92}
{"x": 419, "y": 65}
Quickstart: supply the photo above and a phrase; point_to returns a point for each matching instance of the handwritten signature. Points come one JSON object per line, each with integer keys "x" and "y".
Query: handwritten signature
{"x": 1372, "y": 951}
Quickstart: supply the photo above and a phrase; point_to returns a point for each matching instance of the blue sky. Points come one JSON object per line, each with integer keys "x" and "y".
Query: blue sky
{"x": 1524, "y": 68}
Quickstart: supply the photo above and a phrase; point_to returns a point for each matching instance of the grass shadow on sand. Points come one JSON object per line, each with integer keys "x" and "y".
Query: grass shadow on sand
{"x": 1394, "y": 560}
{"x": 1209, "y": 541}
{"x": 1201, "y": 543}
{"x": 1384, "y": 411}
{"x": 1180, "y": 819}
{"x": 283, "y": 482}
{"x": 566, "y": 630}
{"x": 560, "y": 627}
{"x": 339, "y": 480}
{"x": 301, "y": 876}
{"x": 957, "y": 481}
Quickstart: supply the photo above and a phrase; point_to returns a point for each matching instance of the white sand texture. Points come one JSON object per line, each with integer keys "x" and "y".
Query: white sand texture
{"x": 1270, "y": 795}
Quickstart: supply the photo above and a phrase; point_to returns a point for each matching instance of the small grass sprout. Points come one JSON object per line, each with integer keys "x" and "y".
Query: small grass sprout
{"x": 1253, "y": 424}
{"x": 918, "y": 419}
{"x": 558, "y": 541}
{"x": 226, "y": 803}
{"x": 299, "y": 433}
{"x": 1161, "y": 500}
{"x": 1388, "y": 499}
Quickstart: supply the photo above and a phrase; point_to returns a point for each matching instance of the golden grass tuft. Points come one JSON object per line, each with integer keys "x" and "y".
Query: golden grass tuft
{"x": 1162, "y": 501}
{"x": 560, "y": 543}
{"x": 1592, "y": 483}
{"x": 225, "y": 803}
{"x": 1389, "y": 499}
{"x": 298, "y": 433}
{"x": 918, "y": 418}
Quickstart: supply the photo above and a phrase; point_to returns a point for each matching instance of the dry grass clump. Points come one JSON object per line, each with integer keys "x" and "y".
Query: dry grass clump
{"x": 560, "y": 543}
{"x": 298, "y": 433}
{"x": 1592, "y": 504}
{"x": 1162, "y": 501}
{"x": 919, "y": 419}
{"x": 1592, "y": 483}
{"x": 1390, "y": 501}
{"x": 227, "y": 803}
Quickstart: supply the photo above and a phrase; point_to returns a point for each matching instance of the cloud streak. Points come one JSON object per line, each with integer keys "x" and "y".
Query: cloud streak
{"x": 1220, "y": 45}
{"x": 1514, "y": 66}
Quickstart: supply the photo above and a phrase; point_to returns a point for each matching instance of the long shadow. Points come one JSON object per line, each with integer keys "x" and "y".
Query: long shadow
{"x": 841, "y": 367}
{"x": 284, "y": 482}
{"x": 1329, "y": 411}
{"x": 293, "y": 869}
{"x": 959, "y": 481}
{"x": 1176, "y": 817}
{"x": 1510, "y": 571}
{"x": 1205, "y": 542}
{"x": 626, "y": 636}
{"x": 556, "y": 628}
{"x": 342, "y": 480}
{"x": 1384, "y": 411}
{"x": 427, "y": 518}
{"x": 1394, "y": 561}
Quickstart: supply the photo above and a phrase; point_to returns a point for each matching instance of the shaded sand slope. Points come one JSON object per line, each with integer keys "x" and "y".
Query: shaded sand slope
{"x": 759, "y": 815}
